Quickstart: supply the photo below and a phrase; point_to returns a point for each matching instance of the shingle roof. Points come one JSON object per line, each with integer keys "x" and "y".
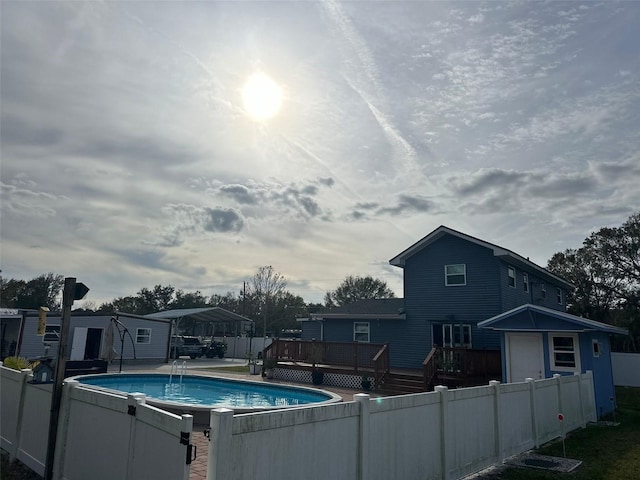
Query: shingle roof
{"x": 381, "y": 307}
{"x": 400, "y": 259}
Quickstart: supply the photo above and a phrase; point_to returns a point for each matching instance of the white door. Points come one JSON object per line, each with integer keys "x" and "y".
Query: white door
{"x": 525, "y": 356}
{"x": 79, "y": 343}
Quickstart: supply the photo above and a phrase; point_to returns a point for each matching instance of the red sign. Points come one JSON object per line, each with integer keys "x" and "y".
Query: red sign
{"x": 560, "y": 417}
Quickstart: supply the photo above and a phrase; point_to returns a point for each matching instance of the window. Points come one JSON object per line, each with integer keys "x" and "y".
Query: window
{"x": 456, "y": 335}
{"x": 455, "y": 274}
{"x": 563, "y": 352}
{"x": 51, "y": 334}
{"x": 361, "y": 332}
{"x": 559, "y": 296}
{"x": 511, "y": 272}
{"x": 543, "y": 290}
{"x": 597, "y": 348}
{"x": 525, "y": 282}
{"x": 143, "y": 335}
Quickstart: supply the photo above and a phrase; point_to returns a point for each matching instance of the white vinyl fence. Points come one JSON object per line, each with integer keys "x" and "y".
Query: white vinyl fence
{"x": 239, "y": 347}
{"x": 626, "y": 369}
{"x": 444, "y": 434}
{"x": 100, "y": 435}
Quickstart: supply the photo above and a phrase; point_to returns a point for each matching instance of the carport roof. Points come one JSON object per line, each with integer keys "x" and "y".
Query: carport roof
{"x": 207, "y": 314}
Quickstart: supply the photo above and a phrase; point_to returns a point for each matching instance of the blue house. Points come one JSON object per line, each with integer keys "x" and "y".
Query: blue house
{"x": 452, "y": 281}
{"x": 539, "y": 342}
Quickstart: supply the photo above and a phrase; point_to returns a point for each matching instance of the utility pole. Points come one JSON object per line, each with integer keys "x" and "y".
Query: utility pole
{"x": 71, "y": 292}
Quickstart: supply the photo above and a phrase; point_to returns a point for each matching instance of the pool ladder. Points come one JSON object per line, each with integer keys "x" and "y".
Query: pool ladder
{"x": 174, "y": 367}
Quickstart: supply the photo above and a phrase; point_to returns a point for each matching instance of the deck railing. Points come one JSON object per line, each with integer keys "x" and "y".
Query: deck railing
{"x": 355, "y": 355}
{"x": 381, "y": 365}
{"x": 430, "y": 370}
{"x": 461, "y": 365}
{"x": 467, "y": 363}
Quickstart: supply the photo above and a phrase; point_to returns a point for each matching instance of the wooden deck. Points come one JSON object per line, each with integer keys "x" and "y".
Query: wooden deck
{"x": 452, "y": 367}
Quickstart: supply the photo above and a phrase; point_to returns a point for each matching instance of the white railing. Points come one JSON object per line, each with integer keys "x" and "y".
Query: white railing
{"x": 444, "y": 434}
{"x": 100, "y": 435}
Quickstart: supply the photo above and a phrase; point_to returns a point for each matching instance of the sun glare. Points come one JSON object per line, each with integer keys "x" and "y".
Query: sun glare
{"x": 262, "y": 97}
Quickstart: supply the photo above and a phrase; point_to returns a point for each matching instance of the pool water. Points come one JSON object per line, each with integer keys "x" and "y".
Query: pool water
{"x": 207, "y": 391}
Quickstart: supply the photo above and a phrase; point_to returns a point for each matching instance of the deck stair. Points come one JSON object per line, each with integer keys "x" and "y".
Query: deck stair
{"x": 402, "y": 383}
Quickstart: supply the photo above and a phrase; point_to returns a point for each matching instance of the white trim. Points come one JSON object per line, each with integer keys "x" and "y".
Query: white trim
{"x": 447, "y": 275}
{"x": 139, "y": 335}
{"x": 559, "y": 296}
{"x": 576, "y": 353}
{"x": 525, "y": 281}
{"x": 509, "y": 277}
{"x": 362, "y": 333}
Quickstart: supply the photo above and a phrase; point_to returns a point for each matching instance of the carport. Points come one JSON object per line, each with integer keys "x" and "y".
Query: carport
{"x": 205, "y": 322}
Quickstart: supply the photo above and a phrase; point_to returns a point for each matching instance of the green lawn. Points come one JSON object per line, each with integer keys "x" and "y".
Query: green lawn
{"x": 607, "y": 453}
{"x": 233, "y": 369}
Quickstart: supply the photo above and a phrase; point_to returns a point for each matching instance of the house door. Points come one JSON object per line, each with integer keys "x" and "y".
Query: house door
{"x": 451, "y": 335}
{"x": 86, "y": 343}
{"x": 525, "y": 356}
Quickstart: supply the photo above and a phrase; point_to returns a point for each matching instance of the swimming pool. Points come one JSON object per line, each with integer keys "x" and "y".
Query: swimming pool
{"x": 202, "y": 393}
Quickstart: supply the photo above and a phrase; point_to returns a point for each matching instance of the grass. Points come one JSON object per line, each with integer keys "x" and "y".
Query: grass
{"x": 233, "y": 369}
{"x": 607, "y": 452}
{"x": 15, "y": 470}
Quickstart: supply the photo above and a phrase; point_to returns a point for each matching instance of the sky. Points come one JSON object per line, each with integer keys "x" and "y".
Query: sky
{"x": 129, "y": 157}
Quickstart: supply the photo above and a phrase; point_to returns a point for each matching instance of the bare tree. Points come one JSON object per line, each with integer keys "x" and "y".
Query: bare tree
{"x": 265, "y": 287}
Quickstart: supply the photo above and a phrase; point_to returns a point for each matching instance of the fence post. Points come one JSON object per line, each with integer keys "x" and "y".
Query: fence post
{"x": 534, "y": 417}
{"x": 21, "y": 401}
{"x": 133, "y": 401}
{"x": 583, "y": 422}
{"x": 219, "y": 464}
{"x": 497, "y": 407}
{"x": 557, "y": 378}
{"x": 444, "y": 412}
{"x": 63, "y": 427}
{"x": 363, "y": 400}
{"x": 187, "y": 426}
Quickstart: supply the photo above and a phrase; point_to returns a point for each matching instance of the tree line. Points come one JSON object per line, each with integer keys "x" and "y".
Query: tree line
{"x": 264, "y": 298}
{"x": 605, "y": 271}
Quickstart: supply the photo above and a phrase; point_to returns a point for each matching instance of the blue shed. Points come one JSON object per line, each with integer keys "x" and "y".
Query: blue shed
{"x": 538, "y": 342}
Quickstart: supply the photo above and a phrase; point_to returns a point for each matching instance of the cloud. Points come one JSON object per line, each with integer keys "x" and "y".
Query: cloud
{"x": 222, "y": 220}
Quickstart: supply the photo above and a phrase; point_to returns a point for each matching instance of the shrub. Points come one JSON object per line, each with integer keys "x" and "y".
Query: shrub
{"x": 17, "y": 363}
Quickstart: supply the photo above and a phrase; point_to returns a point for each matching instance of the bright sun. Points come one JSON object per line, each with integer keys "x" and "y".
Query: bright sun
{"x": 262, "y": 97}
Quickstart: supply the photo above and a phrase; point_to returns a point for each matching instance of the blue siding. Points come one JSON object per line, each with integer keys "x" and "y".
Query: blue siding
{"x": 428, "y": 300}
{"x": 311, "y": 330}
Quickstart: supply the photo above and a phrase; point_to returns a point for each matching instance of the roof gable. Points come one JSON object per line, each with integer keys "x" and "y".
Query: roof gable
{"x": 534, "y": 317}
{"x": 500, "y": 252}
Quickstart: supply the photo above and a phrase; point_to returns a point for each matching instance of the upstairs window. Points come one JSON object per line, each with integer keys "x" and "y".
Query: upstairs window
{"x": 543, "y": 290}
{"x": 511, "y": 273}
{"x": 455, "y": 275}
{"x": 361, "y": 332}
{"x": 563, "y": 352}
{"x": 559, "y": 296}
{"x": 143, "y": 335}
{"x": 525, "y": 282}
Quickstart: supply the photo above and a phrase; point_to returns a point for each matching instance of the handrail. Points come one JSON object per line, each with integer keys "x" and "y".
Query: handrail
{"x": 429, "y": 369}
{"x": 381, "y": 365}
